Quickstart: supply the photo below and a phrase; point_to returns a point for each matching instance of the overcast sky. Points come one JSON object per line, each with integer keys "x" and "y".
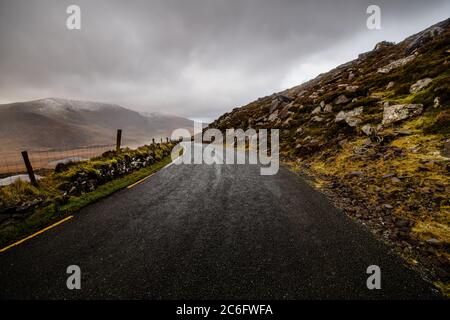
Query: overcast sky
{"x": 194, "y": 58}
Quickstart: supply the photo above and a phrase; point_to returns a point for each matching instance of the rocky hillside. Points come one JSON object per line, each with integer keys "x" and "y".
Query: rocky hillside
{"x": 374, "y": 134}
{"x": 59, "y": 123}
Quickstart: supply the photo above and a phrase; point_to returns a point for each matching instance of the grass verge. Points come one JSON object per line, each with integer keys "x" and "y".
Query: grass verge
{"x": 50, "y": 214}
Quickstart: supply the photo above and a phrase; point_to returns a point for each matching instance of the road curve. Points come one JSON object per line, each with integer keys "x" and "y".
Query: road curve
{"x": 209, "y": 232}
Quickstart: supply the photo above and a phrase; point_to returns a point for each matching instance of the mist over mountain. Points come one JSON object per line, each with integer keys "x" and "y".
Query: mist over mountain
{"x": 55, "y": 123}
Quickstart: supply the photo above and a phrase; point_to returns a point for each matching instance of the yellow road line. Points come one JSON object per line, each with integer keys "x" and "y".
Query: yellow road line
{"x": 136, "y": 183}
{"x": 35, "y": 234}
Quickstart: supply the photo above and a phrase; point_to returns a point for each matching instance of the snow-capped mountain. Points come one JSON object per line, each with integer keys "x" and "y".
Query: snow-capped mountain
{"x": 54, "y": 123}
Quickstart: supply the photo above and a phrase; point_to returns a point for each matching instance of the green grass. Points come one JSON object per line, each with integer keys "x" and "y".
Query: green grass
{"x": 18, "y": 191}
{"x": 49, "y": 214}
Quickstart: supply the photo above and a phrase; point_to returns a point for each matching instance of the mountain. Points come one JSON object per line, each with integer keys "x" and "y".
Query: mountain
{"x": 55, "y": 123}
{"x": 159, "y": 122}
{"x": 374, "y": 135}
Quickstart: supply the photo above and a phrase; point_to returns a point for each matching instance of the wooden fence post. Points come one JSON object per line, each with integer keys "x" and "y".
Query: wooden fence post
{"x": 167, "y": 139}
{"x": 153, "y": 140}
{"x": 119, "y": 139}
{"x": 29, "y": 168}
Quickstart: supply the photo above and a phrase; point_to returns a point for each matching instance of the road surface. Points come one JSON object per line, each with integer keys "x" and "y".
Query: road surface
{"x": 208, "y": 232}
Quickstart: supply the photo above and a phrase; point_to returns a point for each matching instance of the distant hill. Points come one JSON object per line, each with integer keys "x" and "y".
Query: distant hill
{"x": 55, "y": 123}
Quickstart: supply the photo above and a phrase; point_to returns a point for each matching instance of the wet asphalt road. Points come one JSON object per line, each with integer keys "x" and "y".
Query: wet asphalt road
{"x": 208, "y": 232}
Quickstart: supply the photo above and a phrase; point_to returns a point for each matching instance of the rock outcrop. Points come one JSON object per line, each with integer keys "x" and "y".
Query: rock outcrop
{"x": 420, "y": 85}
{"x": 396, "y": 113}
{"x": 353, "y": 118}
{"x": 396, "y": 64}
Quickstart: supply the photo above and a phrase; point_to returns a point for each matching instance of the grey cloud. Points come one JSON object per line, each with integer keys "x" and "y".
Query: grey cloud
{"x": 195, "y": 58}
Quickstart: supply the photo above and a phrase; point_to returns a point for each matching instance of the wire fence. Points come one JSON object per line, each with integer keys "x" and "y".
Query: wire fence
{"x": 41, "y": 162}
{"x": 12, "y": 165}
